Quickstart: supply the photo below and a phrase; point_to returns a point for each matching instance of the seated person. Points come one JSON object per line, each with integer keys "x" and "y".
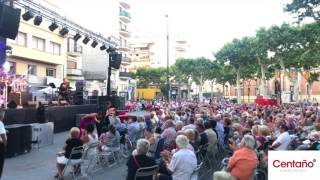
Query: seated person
{"x": 140, "y": 160}
{"x": 133, "y": 129}
{"x": 183, "y": 162}
{"x": 242, "y": 164}
{"x": 110, "y": 139}
{"x": 89, "y": 136}
{"x": 72, "y": 142}
{"x": 283, "y": 141}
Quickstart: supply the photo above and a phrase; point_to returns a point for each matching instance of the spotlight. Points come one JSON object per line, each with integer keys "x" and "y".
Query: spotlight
{"x": 94, "y": 44}
{"x": 27, "y": 16}
{"x": 37, "y": 20}
{"x": 103, "y": 47}
{"x": 53, "y": 26}
{"x": 76, "y": 37}
{"x": 110, "y": 50}
{"x": 86, "y": 40}
{"x": 64, "y": 31}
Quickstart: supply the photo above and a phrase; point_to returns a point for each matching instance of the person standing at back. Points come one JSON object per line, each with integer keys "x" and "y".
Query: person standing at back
{"x": 3, "y": 141}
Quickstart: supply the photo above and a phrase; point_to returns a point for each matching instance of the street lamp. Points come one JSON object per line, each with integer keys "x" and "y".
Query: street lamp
{"x": 278, "y": 79}
{"x": 168, "y": 85}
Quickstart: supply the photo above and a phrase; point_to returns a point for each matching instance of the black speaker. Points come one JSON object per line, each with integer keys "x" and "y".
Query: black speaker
{"x": 9, "y": 21}
{"x": 116, "y": 59}
{"x": 25, "y": 139}
{"x": 79, "y": 92}
{"x": 13, "y": 143}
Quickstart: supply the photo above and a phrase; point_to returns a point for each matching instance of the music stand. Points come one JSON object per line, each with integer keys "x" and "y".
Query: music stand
{"x": 52, "y": 85}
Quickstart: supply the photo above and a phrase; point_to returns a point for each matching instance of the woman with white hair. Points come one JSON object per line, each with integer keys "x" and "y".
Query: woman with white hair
{"x": 63, "y": 157}
{"x": 140, "y": 160}
{"x": 242, "y": 164}
{"x": 183, "y": 162}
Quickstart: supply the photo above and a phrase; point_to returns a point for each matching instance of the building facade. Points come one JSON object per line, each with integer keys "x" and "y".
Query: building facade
{"x": 38, "y": 54}
{"x": 151, "y": 51}
{"x": 293, "y": 89}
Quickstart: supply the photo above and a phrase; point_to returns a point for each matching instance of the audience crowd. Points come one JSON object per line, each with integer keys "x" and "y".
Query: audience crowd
{"x": 177, "y": 135}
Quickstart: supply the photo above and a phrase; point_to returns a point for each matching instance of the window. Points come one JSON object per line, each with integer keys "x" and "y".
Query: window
{"x": 71, "y": 45}
{"x": 38, "y": 43}
{"x": 55, "y": 48}
{"x": 21, "y": 39}
{"x": 32, "y": 70}
{"x": 71, "y": 65}
{"x": 51, "y": 72}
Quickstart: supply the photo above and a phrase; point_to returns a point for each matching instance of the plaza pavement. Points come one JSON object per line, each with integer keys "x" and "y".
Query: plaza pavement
{"x": 40, "y": 164}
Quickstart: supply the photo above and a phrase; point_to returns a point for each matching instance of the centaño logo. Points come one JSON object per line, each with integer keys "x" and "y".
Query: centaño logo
{"x": 294, "y": 164}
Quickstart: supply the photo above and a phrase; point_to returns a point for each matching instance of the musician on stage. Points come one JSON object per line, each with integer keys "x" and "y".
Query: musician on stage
{"x": 64, "y": 90}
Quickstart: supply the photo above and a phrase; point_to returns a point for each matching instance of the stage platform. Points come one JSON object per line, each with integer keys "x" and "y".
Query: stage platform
{"x": 63, "y": 117}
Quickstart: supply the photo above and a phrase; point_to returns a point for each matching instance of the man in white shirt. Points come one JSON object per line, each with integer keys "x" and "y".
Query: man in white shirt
{"x": 3, "y": 141}
{"x": 183, "y": 162}
{"x": 283, "y": 141}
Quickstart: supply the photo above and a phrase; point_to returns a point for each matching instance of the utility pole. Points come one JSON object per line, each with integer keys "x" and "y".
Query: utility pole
{"x": 168, "y": 85}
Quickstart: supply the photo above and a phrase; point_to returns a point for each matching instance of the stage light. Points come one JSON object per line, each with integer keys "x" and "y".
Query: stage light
{"x": 53, "y": 26}
{"x": 103, "y": 47}
{"x": 94, "y": 44}
{"x": 27, "y": 16}
{"x": 110, "y": 50}
{"x": 6, "y": 66}
{"x": 76, "y": 37}
{"x": 37, "y": 20}
{"x": 86, "y": 40}
{"x": 64, "y": 31}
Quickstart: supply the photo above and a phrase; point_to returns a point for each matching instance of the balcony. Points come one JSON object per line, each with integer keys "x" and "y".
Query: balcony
{"x": 125, "y": 33}
{"x": 125, "y": 4}
{"x": 125, "y": 16}
{"x": 74, "y": 72}
{"x": 126, "y": 60}
{"x": 36, "y": 55}
{"x": 124, "y": 75}
{"x": 181, "y": 49}
{"x": 76, "y": 52}
{"x": 124, "y": 48}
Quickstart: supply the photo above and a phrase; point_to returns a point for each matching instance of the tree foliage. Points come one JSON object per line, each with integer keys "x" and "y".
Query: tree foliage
{"x": 148, "y": 77}
{"x": 304, "y": 9}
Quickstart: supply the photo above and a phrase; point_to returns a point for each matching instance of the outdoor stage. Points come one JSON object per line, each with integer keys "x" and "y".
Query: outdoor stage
{"x": 63, "y": 117}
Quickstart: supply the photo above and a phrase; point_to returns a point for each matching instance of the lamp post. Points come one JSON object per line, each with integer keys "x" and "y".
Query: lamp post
{"x": 168, "y": 85}
{"x": 278, "y": 76}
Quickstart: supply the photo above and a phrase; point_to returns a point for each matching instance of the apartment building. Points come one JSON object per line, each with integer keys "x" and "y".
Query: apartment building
{"x": 38, "y": 54}
{"x": 151, "y": 51}
{"x": 126, "y": 86}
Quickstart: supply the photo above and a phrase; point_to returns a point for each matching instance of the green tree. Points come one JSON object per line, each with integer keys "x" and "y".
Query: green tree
{"x": 202, "y": 68}
{"x": 240, "y": 56}
{"x": 148, "y": 77}
{"x": 226, "y": 74}
{"x": 304, "y": 9}
{"x": 182, "y": 72}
